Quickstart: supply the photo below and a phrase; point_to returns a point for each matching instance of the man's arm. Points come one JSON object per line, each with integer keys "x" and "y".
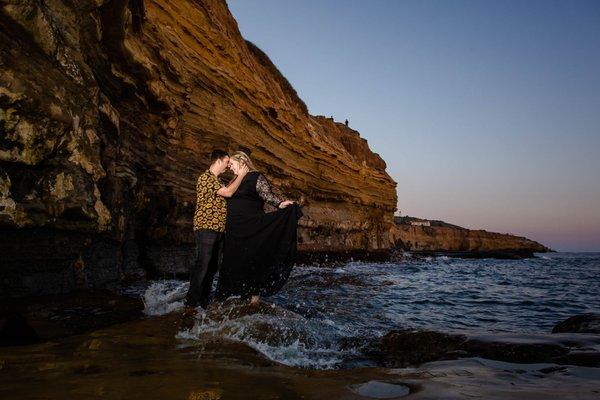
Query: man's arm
{"x": 230, "y": 189}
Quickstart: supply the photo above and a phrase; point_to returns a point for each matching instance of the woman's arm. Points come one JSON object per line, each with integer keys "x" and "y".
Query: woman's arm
{"x": 230, "y": 189}
{"x": 264, "y": 190}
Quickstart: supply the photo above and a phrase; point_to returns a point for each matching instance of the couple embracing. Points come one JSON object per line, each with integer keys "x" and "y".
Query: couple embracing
{"x": 257, "y": 248}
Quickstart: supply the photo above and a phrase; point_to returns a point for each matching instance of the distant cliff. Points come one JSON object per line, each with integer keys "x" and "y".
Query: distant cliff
{"x": 442, "y": 237}
{"x": 108, "y": 110}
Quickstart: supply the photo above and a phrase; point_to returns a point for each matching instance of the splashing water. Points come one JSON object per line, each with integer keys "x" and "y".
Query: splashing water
{"x": 278, "y": 334}
{"x": 165, "y": 297}
{"x": 325, "y": 317}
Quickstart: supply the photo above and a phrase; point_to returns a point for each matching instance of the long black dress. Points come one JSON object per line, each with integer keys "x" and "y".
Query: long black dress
{"x": 259, "y": 247}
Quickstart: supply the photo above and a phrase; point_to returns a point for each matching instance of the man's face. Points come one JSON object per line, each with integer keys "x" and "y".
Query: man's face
{"x": 223, "y": 164}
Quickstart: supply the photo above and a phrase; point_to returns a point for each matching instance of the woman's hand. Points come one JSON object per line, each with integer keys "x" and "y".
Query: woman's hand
{"x": 286, "y": 203}
{"x": 242, "y": 171}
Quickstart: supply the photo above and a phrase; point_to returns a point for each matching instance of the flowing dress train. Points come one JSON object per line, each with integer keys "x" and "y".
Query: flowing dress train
{"x": 259, "y": 248}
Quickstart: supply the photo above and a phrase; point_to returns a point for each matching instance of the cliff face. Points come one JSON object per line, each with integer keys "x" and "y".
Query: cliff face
{"x": 456, "y": 239}
{"x": 108, "y": 110}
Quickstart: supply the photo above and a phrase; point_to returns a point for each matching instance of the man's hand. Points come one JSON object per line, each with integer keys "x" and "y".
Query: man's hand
{"x": 286, "y": 203}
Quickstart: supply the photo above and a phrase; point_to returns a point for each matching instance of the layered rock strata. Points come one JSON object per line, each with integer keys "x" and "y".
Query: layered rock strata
{"x": 108, "y": 110}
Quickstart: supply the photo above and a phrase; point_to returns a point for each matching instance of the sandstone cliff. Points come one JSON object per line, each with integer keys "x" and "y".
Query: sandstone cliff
{"x": 108, "y": 109}
{"x": 442, "y": 237}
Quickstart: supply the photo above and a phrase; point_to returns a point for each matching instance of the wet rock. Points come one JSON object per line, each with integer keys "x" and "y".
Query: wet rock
{"x": 237, "y": 308}
{"x": 41, "y": 261}
{"x": 588, "y": 358}
{"x": 28, "y": 320}
{"x": 584, "y": 323}
{"x": 211, "y": 394}
{"x": 262, "y": 323}
{"x": 403, "y": 348}
{"x": 143, "y": 372}
{"x": 15, "y": 330}
{"x": 88, "y": 369}
{"x": 515, "y": 352}
{"x": 381, "y": 390}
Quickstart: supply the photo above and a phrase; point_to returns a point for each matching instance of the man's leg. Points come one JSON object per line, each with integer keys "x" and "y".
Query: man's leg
{"x": 213, "y": 267}
{"x": 205, "y": 240}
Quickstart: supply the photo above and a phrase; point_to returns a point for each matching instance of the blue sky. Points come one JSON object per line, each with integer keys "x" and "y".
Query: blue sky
{"x": 486, "y": 112}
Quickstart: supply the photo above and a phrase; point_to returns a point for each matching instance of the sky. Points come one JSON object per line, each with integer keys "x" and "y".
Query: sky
{"x": 487, "y": 113}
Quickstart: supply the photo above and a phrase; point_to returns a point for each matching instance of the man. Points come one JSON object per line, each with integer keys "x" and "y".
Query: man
{"x": 209, "y": 226}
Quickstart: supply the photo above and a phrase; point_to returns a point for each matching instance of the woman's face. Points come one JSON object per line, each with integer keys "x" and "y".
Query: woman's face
{"x": 234, "y": 165}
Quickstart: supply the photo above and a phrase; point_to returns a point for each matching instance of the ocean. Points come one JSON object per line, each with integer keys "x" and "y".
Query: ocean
{"x": 341, "y": 331}
{"x": 323, "y": 308}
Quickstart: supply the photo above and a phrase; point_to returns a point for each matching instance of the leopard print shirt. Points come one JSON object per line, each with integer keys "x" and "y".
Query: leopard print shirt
{"x": 211, "y": 209}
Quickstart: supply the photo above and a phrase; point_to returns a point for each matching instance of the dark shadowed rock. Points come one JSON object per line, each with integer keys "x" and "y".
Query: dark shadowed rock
{"x": 15, "y": 331}
{"x": 33, "y": 319}
{"x": 402, "y": 348}
{"x": 515, "y": 352}
{"x": 582, "y": 358}
{"x": 584, "y": 323}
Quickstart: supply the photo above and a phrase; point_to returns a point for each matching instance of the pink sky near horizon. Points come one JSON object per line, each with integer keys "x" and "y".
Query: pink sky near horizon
{"x": 578, "y": 230}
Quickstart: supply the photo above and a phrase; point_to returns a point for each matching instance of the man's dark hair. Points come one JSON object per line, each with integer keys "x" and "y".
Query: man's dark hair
{"x": 218, "y": 154}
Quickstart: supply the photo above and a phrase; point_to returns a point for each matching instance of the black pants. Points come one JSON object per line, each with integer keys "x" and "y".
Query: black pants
{"x": 209, "y": 247}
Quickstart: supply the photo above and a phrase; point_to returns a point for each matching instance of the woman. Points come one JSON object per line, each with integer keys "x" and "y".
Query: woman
{"x": 259, "y": 247}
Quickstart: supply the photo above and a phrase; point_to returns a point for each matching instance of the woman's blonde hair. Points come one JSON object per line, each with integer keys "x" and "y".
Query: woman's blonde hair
{"x": 244, "y": 159}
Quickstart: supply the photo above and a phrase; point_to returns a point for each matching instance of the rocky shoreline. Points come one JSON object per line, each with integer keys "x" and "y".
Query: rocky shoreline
{"x": 103, "y": 345}
{"x": 436, "y": 238}
{"x": 574, "y": 341}
{"x": 152, "y": 364}
{"x": 406, "y": 348}
{"x": 140, "y": 353}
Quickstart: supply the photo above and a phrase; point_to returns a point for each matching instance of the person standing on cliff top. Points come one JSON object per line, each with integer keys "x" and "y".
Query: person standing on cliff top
{"x": 209, "y": 226}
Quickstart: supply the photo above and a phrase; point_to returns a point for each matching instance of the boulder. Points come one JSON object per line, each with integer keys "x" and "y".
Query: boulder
{"x": 583, "y": 323}
{"x": 413, "y": 347}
